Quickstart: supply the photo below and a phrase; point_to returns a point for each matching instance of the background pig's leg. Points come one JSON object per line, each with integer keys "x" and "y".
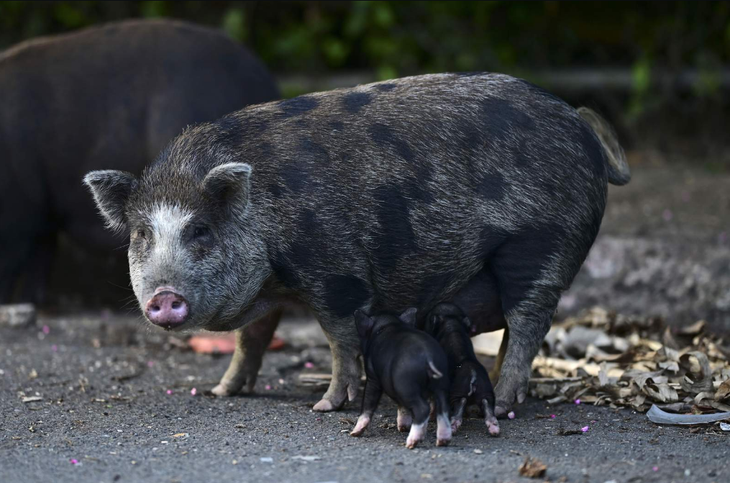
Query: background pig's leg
{"x": 251, "y": 343}
{"x": 370, "y": 402}
{"x": 494, "y": 373}
{"x": 404, "y": 419}
{"x": 345, "y": 346}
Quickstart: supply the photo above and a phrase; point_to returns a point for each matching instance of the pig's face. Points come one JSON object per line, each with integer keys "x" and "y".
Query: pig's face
{"x": 195, "y": 257}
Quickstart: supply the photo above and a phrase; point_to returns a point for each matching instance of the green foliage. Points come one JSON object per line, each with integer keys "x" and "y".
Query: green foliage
{"x": 390, "y": 38}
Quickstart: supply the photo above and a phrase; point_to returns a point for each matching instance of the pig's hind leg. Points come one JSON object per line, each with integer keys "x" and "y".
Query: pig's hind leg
{"x": 251, "y": 343}
{"x": 443, "y": 425}
{"x": 370, "y": 401}
{"x": 420, "y": 408}
{"x": 532, "y": 270}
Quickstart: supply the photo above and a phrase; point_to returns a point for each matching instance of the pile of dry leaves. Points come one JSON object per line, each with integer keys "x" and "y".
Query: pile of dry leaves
{"x": 609, "y": 359}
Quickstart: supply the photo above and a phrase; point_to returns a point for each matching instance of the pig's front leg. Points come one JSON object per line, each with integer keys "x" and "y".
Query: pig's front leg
{"x": 457, "y": 413}
{"x": 345, "y": 347}
{"x": 251, "y": 343}
{"x": 404, "y": 419}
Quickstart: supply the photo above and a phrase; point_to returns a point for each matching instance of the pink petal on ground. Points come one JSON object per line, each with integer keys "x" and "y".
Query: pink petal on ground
{"x": 654, "y": 468}
{"x": 308, "y": 365}
{"x": 577, "y": 401}
{"x": 169, "y": 391}
{"x": 268, "y": 387}
{"x": 193, "y": 392}
{"x": 74, "y": 461}
{"x": 585, "y": 429}
{"x": 150, "y": 363}
{"x": 54, "y": 348}
{"x": 511, "y": 415}
{"x": 46, "y": 330}
{"x": 552, "y": 416}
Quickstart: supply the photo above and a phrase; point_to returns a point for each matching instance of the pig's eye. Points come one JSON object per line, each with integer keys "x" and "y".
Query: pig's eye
{"x": 200, "y": 232}
{"x": 141, "y": 234}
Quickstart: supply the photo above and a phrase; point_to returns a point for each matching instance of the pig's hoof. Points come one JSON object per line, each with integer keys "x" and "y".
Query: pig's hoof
{"x": 357, "y": 432}
{"x": 403, "y": 428}
{"x": 324, "y": 406}
{"x": 442, "y": 442}
{"x": 222, "y": 390}
{"x": 410, "y": 444}
{"x": 511, "y": 389}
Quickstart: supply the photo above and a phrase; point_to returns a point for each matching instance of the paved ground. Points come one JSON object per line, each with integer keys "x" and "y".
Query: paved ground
{"x": 105, "y": 404}
{"x": 103, "y": 382}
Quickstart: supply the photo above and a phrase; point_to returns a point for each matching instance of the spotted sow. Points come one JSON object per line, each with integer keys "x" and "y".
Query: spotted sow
{"x": 481, "y": 189}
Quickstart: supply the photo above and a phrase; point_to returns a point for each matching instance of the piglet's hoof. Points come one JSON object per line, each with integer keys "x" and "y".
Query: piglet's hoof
{"x": 442, "y": 442}
{"x": 493, "y": 427}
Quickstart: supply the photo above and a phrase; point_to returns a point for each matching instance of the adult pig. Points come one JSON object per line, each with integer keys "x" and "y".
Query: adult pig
{"x": 103, "y": 98}
{"x": 380, "y": 197}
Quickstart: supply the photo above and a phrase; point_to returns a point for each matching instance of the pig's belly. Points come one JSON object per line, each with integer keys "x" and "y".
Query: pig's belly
{"x": 480, "y": 300}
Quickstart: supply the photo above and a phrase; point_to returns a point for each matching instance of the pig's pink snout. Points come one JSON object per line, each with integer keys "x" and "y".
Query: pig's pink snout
{"x": 167, "y": 309}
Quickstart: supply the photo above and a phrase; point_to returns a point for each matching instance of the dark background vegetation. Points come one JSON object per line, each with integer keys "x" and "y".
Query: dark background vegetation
{"x": 657, "y": 69}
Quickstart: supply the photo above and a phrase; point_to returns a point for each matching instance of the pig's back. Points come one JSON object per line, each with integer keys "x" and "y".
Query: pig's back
{"x": 420, "y": 179}
{"x": 111, "y": 97}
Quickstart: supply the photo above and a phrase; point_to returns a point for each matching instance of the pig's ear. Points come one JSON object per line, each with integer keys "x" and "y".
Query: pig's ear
{"x": 467, "y": 323}
{"x": 229, "y": 184}
{"x": 111, "y": 190}
{"x": 409, "y": 316}
{"x": 432, "y": 323}
{"x": 364, "y": 324}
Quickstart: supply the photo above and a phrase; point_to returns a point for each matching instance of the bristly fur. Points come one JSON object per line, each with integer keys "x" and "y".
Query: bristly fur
{"x": 385, "y": 198}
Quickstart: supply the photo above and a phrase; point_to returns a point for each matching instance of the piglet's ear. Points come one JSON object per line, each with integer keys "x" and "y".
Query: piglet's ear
{"x": 111, "y": 190}
{"x": 467, "y": 323}
{"x": 364, "y": 324}
{"x": 409, "y": 316}
{"x": 229, "y": 184}
{"x": 432, "y": 323}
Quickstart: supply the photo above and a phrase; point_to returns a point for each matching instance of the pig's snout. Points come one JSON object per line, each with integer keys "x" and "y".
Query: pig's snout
{"x": 167, "y": 308}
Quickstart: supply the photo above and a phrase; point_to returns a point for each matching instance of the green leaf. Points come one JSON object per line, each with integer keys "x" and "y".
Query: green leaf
{"x": 234, "y": 24}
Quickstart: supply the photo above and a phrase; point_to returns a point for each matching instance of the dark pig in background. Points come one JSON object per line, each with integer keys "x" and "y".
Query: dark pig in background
{"x": 381, "y": 197}
{"x": 109, "y": 97}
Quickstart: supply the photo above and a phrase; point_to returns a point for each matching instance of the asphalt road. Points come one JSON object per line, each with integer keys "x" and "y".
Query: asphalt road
{"x": 106, "y": 416}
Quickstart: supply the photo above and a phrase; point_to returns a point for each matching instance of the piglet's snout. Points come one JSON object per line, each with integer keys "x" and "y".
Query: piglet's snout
{"x": 167, "y": 308}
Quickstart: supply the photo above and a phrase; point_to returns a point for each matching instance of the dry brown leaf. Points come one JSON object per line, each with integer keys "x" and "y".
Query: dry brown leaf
{"x": 723, "y": 392}
{"x": 532, "y": 468}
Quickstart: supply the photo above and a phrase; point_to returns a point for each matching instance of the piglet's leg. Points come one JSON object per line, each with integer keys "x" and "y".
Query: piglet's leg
{"x": 457, "y": 412}
{"x": 490, "y": 419}
{"x": 251, "y": 343}
{"x": 404, "y": 419}
{"x": 420, "y": 409}
{"x": 369, "y": 404}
